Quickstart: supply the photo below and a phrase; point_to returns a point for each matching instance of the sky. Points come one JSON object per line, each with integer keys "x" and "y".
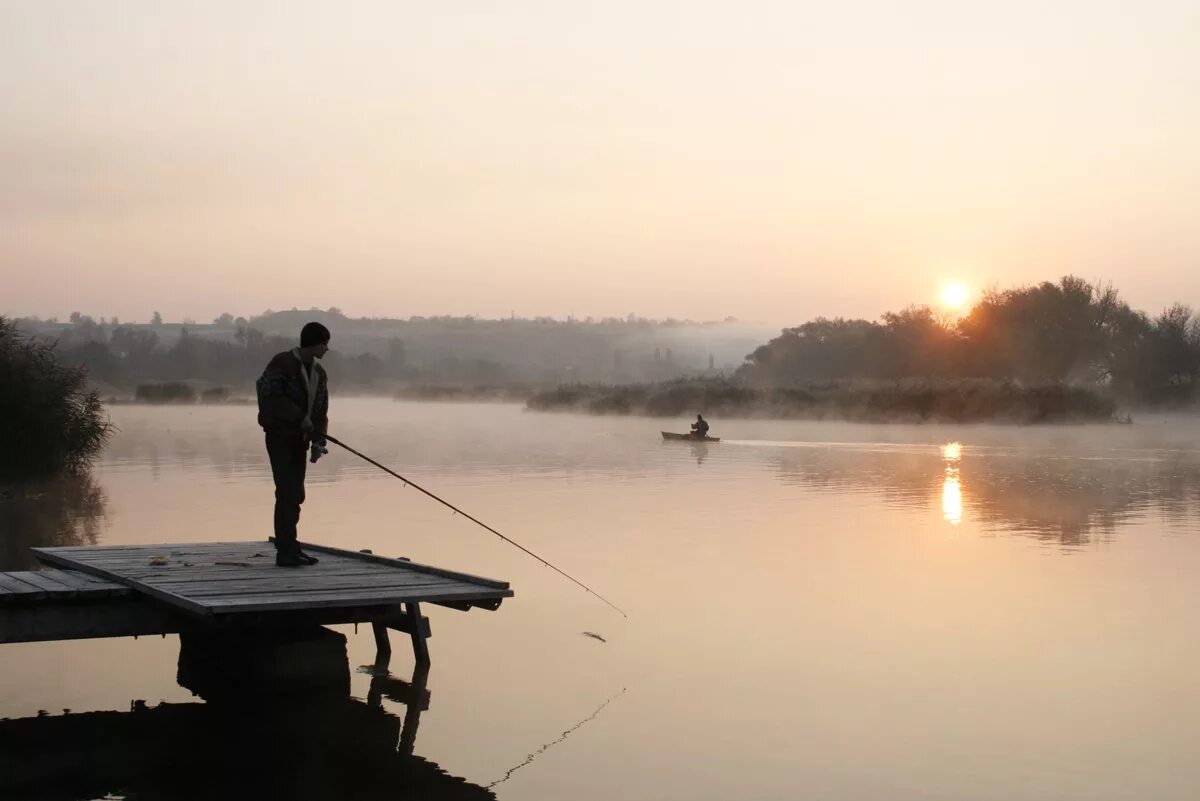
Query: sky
{"x": 768, "y": 161}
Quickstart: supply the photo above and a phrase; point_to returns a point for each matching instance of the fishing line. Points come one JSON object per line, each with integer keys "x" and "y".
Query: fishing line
{"x": 456, "y": 510}
{"x": 561, "y": 737}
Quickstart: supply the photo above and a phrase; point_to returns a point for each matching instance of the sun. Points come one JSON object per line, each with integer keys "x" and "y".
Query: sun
{"x": 954, "y": 296}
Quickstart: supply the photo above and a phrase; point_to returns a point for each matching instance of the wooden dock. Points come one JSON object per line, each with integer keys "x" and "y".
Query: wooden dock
{"x": 122, "y": 590}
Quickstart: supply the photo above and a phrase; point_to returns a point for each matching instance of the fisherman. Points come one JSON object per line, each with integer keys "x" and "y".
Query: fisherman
{"x": 293, "y": 410}
{"x": 700, "y": 427}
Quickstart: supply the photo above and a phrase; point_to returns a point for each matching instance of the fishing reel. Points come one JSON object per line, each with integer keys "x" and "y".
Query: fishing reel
{"x": 318, "y": 450}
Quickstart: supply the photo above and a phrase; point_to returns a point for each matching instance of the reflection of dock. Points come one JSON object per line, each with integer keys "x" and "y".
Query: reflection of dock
{"x": 113, "y": 591}
{"x": 277, "y": 722}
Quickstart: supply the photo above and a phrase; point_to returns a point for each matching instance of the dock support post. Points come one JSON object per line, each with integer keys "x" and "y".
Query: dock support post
{"x": 420, "y": 646}
{"x": 383, "y": 645}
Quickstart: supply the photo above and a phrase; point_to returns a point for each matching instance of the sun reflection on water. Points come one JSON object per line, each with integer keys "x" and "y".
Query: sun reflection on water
{"x": 952, "y": 502}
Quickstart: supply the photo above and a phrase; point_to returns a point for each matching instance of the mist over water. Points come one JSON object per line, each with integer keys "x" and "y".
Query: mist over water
{"x": 816, "y": 610}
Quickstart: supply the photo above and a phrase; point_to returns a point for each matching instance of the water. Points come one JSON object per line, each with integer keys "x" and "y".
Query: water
{"x": 816, "y": 610}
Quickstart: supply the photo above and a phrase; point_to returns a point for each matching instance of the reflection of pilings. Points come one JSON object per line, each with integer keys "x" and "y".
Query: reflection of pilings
{"x": 267, "y": 732}
{"x": 412, "y": 713}
{"x": 197, "y": 751}
{"x": 413, "y": 694}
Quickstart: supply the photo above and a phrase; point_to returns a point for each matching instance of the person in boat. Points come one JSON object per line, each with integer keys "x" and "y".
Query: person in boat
{"x": 700, "y": 427}
{"x": 293, "y": 410}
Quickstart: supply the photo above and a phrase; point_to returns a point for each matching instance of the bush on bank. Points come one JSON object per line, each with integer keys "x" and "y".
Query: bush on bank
{"x": 49, "y": 421}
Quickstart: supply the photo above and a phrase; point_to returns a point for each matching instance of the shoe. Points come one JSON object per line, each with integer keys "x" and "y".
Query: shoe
{"x": 306, "y": 558}
{"x": 289, "y": 559}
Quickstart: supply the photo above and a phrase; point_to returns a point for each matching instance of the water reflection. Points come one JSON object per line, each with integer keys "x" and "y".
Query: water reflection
{"x": 952, "y": 451}
{"x": 952, "y": 503}
{"x": 66, "y": 510}
{"x": 1067, "y": 498}
{"x": 276, "y": 723}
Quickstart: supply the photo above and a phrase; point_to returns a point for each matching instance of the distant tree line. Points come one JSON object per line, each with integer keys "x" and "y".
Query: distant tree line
{"x": 125, "y": 356}
{"x": 1072, "y": 331}
{"x": 418, "y": 351}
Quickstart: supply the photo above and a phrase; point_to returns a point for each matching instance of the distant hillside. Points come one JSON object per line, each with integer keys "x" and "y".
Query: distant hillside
{"x": 460, "y": 351}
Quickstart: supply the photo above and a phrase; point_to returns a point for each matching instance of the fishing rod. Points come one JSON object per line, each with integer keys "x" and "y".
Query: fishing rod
{"x": 410, "y": 483}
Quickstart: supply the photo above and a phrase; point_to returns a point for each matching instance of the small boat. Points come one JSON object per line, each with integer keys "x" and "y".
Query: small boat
{"x": 689, "y": 437}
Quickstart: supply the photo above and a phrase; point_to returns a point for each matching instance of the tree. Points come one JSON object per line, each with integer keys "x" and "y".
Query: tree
{"x": 396, "y": 356}
{"x": 48, "y": 419}
{"x": 1175, "y": 356}
{"x": 819, "y": 350}
{"x": 135, "y": 345}
{"x": 156, "y": 319}
{"x": 225, "y": 320}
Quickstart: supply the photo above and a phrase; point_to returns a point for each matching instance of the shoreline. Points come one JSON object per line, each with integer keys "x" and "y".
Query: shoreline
{"x": 861, "y": 402}
{"x": 907, "y": 403}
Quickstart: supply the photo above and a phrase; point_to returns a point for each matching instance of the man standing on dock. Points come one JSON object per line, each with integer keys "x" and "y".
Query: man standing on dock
{"x": 293, "y": 409}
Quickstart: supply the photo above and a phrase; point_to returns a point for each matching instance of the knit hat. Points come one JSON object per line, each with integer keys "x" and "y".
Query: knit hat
{"x": 313, "y": 334}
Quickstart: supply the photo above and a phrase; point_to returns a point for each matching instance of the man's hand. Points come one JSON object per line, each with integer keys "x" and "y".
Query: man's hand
{"x": 306, "y": 425}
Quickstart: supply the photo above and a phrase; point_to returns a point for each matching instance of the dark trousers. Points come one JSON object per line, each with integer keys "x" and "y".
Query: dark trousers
{"x": 287, "y": 454}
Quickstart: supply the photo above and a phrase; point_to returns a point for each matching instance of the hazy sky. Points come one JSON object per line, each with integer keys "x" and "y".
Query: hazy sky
{"x": 771, "y": 161}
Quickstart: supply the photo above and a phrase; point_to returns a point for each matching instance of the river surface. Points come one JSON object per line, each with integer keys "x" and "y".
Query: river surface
{"x": 816, "y": 610}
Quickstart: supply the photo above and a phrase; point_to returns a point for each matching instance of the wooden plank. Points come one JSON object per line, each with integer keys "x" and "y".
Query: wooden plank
{"x": 182, "y": 582}
{"x": 352, "y": 597}
{"x": 177, "y": 573}
{"x": 190, "y": 606}
{"x": 437, "y": 571}
{"x": 47, "y": 583}
{"x": 202, "y": 593}
{"x": 226, "y": 606}
{"x": 110, "y": 617}
{"x": 143, "y": 562}
{"x": 281, "y": 574}
{"x": 327, "y": 566}
{"x": 84, "y": 583}
{"x": 167, "y": 550}
{"x": 20, "y": 589}
{"x": 284, "y": 584}
{"x": 161, "y": 546}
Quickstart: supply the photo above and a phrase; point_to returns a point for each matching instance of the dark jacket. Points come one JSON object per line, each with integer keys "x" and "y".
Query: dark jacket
{"x": 283, "y": 396}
